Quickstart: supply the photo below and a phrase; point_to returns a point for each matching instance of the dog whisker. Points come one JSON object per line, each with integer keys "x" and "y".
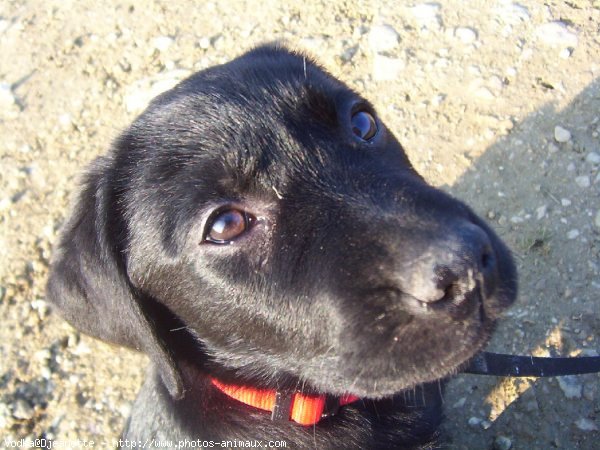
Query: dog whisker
{"x": 279, "y": 196}
{"x": 360, "y": 374}
{"x": 304, "y": 63}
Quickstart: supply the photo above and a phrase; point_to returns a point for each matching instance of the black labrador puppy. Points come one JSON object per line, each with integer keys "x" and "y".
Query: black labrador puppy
{"x": 262, "y": 236}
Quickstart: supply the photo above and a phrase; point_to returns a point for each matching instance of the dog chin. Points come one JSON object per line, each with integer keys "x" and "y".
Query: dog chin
{"x": 382, "y": 385}
{"x": 377, "y": 378}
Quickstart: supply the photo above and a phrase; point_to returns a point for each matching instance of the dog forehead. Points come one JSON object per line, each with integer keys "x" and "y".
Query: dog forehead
{"x": 256, "y": 120}
{"x": 265, "y": 83}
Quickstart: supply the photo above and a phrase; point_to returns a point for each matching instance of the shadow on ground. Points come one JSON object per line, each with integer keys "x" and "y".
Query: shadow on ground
{"x": 545, "y": 210}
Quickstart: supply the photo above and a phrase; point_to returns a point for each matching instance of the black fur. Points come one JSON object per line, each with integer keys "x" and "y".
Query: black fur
{"x": 355, "y": 277}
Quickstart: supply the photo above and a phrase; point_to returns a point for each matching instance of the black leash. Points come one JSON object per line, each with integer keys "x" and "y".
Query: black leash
{"x": 486, "y": 363}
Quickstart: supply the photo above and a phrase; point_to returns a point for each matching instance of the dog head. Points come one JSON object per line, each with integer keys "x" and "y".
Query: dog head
{"x": 263, "y": 207}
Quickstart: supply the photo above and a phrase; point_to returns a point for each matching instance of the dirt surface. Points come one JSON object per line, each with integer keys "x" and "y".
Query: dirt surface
{"x": 497, "y": 102}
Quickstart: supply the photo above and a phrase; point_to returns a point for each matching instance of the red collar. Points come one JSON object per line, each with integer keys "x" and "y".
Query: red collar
{"x": 301, "y": 408}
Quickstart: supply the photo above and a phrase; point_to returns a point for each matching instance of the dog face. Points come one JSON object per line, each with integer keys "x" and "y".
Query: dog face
{"x": 262, "y": 214}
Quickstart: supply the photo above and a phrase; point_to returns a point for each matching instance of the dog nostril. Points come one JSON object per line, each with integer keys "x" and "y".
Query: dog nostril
{"x": 446, "y": 281}
{"x": 453, "y": 268}
{"x": 445, "y": 277}
{"x": 450, "y": 292}
{"x": 487, "y": 260}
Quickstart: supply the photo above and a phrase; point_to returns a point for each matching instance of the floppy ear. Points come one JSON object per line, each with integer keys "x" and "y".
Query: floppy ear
{"x": 88, "y": 280}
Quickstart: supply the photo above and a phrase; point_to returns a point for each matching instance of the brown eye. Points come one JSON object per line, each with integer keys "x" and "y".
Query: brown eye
{"x": 364, "y": 125}
{"x": 227, "y": 225}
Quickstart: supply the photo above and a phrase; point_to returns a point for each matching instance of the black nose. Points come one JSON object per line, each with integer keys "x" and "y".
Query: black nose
{"x": 453, "y": 266}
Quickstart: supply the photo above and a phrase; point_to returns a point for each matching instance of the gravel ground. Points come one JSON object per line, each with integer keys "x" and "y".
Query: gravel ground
{"x": 497, "y": 102}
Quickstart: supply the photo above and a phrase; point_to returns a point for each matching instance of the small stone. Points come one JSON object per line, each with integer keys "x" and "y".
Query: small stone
{"x": 22, "y": 410}
{"x": 72, "y": 340}
{"x": 565, "y": 53}
{"x": 583, "y": 181}
{"x": 74, "y": 379}
{"x": 541, "y": 212}
{"x": 484, "y": 93}
{"x": 204, "y": 43}
{"x": 571, "y": 386}
{"x": 593, "y": 158}
{"x": 561, "y": 134}
{"x": 162, "y": 43}
{"x": 437, "y": 100}
{"x": 7, "y": 98}
{"x": 427, "y": 15}
{"x": 65, "y": 120}
{"x": 386, "y": 68}
{"x": 465, "y": 34}
{"x": 573, "y": 234}
{"x": 81, "y": 349}
{"x": 515, "y": 13}
{"x": 41, "y": 307}
{"x": 474, "y": 422}
{"x": 125, "y": 410}
{"x": 502, "y": 443}
{"x": 218, "y": 41}
{"x": 552, "y": 147}
{"x": 4, "y": 24}
{"x": 5, "y": 203}
{"x": 348, "y": 53}
{"x": 585, "y": 424}
{"x": 565, "y": 202}
{"x": 383, "y": 38}
{"x": 556, "y": 34}
{"x": 43, "y": 355}
{"x": 460, "y": 403}
{"x": 517, "y": 219}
